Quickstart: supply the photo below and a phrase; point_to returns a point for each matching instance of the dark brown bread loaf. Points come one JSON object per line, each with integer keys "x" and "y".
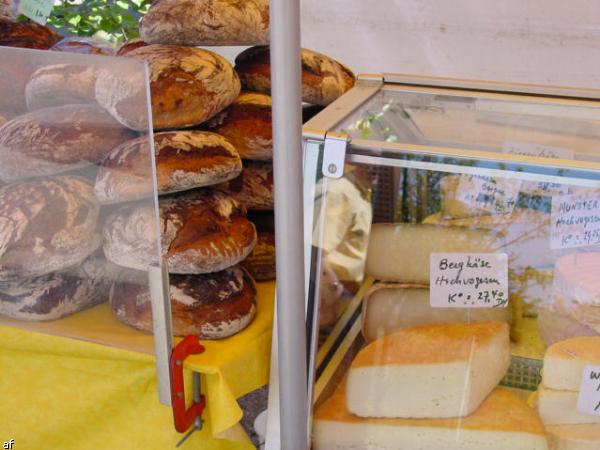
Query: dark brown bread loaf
{"x": 261, "y": 262}
{"x": 210, "y": 306}
{"x": 207, "y": 22}
{"x": 323, "y": 78}
{"x": 54, "y": 140}
{"x": 184, "y": 160}
{"x": 254, "y": 187}
{"x": 83, "y": 45}
{"x": 56, "y": 295}
{"x": 247, "y": 125}
{"x": 202, "y": 231}
{"x": 46, "y": 226}
{"x": 61, "y": 84}
{"x": 128, "y": 46}
{"x": 26, "y": 35}
{"x": 188, "y": 85}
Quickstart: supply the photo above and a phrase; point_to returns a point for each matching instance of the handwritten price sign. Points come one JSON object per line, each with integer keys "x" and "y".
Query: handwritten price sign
{"x": 575, "y": 221}
{"x": 494, "y": 195}
{"x": 36, "y": 10}
{"x": 589, "y": 392}
{"x": 468, "y": 280}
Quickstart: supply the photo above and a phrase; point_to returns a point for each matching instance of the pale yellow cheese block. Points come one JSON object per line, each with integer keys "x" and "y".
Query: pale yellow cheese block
{"x": 564, "y": 362}
{"x": 573, "y": 437}
{"x": 400, "y": 252}
{"x": 560, "y": 408}
{"x": 390, "y": 307}
{"x": 430, "y": 371}
{"x": 502, "y": 422}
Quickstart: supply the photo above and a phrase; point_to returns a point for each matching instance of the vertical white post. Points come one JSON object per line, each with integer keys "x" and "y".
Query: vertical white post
{"x": 287, "y": 162}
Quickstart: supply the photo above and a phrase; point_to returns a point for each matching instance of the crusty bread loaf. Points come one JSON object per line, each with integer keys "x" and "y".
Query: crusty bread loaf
{"x": 58, "y": 294}
{"x": 130, "y": 45}
{"x": 202, "y": 231}
{"x": 247, "y": 125}
{"x": 46, "y": 225}
{"x": 323, "y": 78}
{"x": 54, "y": 140}
{"x": 26, "y": 35}
{"x": 84, "y": 45}
{"x": 14, "y": 78}
{"x": 207, "y": 22}
{"x": 210, "y": 306}
{"x": 254, "y": 187}
{"x": 8, "y": 9}
{"x": 261, "y": 262}
{"x": 188, "y": 85}
{"x": 184, "y": 160}
{"x": 61, "y": 84}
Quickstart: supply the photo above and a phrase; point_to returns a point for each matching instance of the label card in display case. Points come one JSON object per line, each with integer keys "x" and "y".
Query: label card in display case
{"x": 36, "y": 10}
{"x": 575, "y": 221}
{"x": 468, "y": 280}
{"x": 494, "y": 195}
{"x": 589, "y": 392}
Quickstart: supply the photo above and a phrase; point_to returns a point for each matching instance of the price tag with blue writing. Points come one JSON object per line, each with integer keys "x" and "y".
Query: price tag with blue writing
{"x": 468, "y": 280}
{"x": 589, "y": 391}
{"x": 36, "y": 10}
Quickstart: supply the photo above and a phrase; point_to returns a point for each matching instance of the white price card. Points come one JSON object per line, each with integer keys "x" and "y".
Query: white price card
{"x": 468, "y": 280}
{"x": 575, "y": 221}
{"x": 494, "y": 195}
{"x": 540, "y": 151}
{"x": 589, "y": 391}
{"x": 36, "y": 10}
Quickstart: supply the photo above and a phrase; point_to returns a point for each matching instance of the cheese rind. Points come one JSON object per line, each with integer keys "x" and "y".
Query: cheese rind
{"x": 577, "y": 278}
{"x": 573, "y": 437}
{"x": 400, "y": 252}
{"x": 431, "y": 371}
{"x": 564, "y": 362}
{"x": 560, "y": 408}
{"x": 390, "y": 307}
{"x": 502, "y": 422}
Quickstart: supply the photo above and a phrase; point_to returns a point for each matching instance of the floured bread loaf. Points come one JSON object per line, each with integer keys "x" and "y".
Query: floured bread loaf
{"x": 53, "y": 140}
{"x": 84, "y": 45}
{"x": 400, "y": 252}
{"x": 323, "y": 78}
{"x": 390, "y": 307}
{"x": 560, "y": 408}
{"x": 502, "y": 422}
{"x": 210, "y": 306}
{"x": 184, "y": 160}
{"x": 247, "y": 125}
{"x": 56, "y": 295}
{"x": 130, "y": 45}
{"x": 564, "y": 362}
{"x": 573, "y": 437}
{"x": 202, "y": 231}
{"x": 46, "y": 226}
{"x": 188, "y": 85}
{"x": 8, "y": 9}
{"x": 261, "y": 261}
{"x": 61, "y": 84}
{"x": 253, "y": 188}
{"x": 26, "y": 34}
{"x": 207, "y": 22}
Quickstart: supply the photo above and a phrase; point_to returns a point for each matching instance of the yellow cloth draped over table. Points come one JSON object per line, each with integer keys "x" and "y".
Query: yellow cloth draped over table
{"x": 59, "y": 393}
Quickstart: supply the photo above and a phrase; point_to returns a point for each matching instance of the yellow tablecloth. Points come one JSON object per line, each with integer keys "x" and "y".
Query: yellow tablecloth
{"x": 59, "y": 393}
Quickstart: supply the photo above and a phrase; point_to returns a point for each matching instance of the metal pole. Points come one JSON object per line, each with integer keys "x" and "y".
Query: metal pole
{"x": 287, "y": 162}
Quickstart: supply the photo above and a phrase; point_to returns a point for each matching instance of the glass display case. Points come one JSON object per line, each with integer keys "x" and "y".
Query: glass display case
{"x": 453, "y": 252}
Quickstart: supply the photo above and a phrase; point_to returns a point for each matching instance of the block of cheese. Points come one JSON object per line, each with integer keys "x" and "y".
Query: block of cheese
{"x": 502, "y": 422}
{"x": 555, "y": 326}
{"x": 560, "y": 408}
{"x": 400, "y": 251}
{"x": 431, "y": 371}
{"x": 573, "y": 437}
{"x": 389, "y": 307}
{"x": 565, "y": 360}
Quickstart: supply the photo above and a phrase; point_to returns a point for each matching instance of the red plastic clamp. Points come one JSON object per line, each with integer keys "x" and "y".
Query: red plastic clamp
{"x": 184, "y": 418}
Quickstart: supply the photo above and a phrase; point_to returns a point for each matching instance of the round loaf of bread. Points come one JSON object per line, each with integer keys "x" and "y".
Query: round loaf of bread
{"x": 188, "y": 85}
{"x": 184, "y": 160}
{"x": 83, "y": 45}
{"x": 261, "y": 262}
{"x": 247, "y": 125}
{"x": 130, "y": 45}
{"x": 61, "y": 84}
{"x": 53, "y": 140}
{"x": 46, "y": 225}
{"x": 202, "y": 231}
{"x": 210, "y": 306}
{"x": 254, "y": 187}
{"x": 26, "y": 35}
{"x": 207, "y": 22}
{"x": 56, "y": 295}
{"x": 323, "y": 78}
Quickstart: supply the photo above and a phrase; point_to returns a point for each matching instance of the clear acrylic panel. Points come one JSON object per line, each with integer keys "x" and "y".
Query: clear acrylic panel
{"x": 78, "y": 204}
{"x": 437, "y": 284}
